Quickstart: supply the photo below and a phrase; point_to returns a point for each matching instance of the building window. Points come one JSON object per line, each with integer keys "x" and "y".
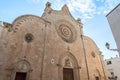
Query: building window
{"x": 112, "y": 73}
{"x": 112, "y": 77}
{"x": 109, "y": 62}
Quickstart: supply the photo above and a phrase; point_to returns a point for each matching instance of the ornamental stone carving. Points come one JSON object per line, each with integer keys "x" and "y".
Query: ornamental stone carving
{"x": 67, "y": 32}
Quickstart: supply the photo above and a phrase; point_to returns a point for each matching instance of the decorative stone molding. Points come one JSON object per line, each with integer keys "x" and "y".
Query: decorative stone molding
{"x": 22, "y": 66}
{"x": 66, "y": 31}
{"x": 18, "y": 22}
{"x": 29, "y": 37}
{"x": 97, "y": 73}
{"x": 68, "y": 61}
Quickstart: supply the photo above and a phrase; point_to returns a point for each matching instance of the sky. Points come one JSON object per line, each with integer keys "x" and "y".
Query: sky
{"x": 91, "y": 12}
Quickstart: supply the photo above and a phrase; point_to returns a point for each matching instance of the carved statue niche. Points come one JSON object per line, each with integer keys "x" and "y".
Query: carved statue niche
{"x": 67, "y": 62}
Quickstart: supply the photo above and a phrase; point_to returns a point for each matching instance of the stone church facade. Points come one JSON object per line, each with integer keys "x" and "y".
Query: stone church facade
{"x": 50, "y": 47}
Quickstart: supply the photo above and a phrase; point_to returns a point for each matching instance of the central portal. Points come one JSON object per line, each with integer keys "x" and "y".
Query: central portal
{"x": 68, "y": 74}
{"x": 20, "y": 76}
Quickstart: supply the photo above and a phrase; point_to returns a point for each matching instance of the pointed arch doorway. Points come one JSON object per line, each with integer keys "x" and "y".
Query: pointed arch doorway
{"x": 21, "y": 70}
{"x": 69, "y": 69}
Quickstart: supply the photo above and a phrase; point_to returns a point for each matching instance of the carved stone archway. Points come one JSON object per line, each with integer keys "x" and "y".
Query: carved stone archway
{"x": 22, "y": 66}
{"x": 68, "y": 61}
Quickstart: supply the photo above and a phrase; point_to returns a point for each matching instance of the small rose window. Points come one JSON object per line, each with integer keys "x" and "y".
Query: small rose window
{"x": 28, "y": 37}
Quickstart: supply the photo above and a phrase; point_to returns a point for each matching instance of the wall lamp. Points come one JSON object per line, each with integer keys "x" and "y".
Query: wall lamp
{"x": 108, "y": 47}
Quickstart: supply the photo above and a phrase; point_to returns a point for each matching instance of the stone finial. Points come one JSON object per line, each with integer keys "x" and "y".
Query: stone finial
{"x": 48, "y": 4}
{"x": 48, "y": 8}
{"x": 79, "y": 21}
{"x": 65, "y": 10}
{"x": 65, "y": 7}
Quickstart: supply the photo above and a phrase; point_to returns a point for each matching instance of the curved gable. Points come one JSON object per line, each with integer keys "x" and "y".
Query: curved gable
{"x": 25, "y": 19}
{"x": 90, "y": 41}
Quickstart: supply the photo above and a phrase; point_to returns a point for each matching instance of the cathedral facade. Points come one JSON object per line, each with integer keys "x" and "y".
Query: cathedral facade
{"x": 50, "y": 47}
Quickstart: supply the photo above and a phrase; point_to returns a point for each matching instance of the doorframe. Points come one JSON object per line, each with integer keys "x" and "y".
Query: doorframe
{"x": 21, "y": 72}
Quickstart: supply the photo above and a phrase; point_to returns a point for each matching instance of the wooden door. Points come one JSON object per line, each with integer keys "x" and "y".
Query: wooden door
{"x": 20, "y": 76}
{"x": 68, "y": 74}
{"x": 96, "y": 78}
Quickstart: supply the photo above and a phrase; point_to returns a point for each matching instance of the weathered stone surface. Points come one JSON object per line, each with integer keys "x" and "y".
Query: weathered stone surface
{"x": 55, "y": 42}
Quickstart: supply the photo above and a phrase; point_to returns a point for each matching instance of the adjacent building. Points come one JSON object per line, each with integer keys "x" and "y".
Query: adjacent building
{"x": 50, "y": 47}
{"x": 114, "y": 22}
{"x": 113, "y": 67}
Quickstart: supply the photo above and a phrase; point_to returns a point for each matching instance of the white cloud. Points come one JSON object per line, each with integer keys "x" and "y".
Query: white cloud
{"x": 57, "y": 4}
{"x": 86, "y": 8}
{"x": 90, "y": 8}
{"x": 83, "y": 8}
{"x": 36, "y": 1}
{"x": 81, "y": 5}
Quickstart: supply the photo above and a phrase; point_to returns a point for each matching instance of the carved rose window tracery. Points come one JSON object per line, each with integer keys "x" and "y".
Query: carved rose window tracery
{"x": 28, "y": 37}
{"x": 67, "y": 32}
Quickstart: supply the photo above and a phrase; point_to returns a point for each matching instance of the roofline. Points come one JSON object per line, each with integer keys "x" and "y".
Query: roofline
{"x": 113, "y": 9}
